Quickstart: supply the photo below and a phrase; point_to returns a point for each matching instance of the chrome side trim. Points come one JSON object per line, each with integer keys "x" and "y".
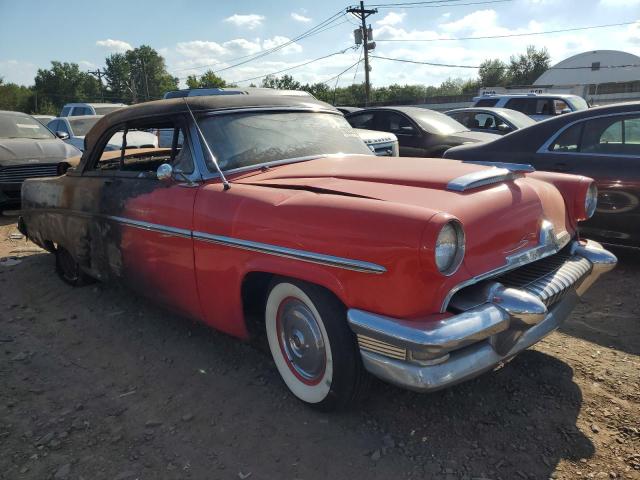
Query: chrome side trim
{"x": 152, "y": 227}
{"x": 302, "y": 255}
{"x": 514, "y": 167}
{"x": 548, "y": 244}
{"x": 482, "y": 178}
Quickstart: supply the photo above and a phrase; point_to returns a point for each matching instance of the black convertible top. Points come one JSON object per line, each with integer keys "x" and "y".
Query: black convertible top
{"x": 199, "y": 104}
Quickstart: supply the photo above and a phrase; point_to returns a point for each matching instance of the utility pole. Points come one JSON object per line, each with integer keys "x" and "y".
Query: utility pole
{"x": 99, "y": 73}
{"x": 363, "y": 13}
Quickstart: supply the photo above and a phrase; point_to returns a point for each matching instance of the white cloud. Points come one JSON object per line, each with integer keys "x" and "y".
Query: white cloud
{"x": 392, "y": 18}
{"x": 250, "y": 21}
{"x": 199, "y": 48}
{"x": 119, "y": 46}
{"x": 300, "y": 18}
{"x": 16, "y": 71}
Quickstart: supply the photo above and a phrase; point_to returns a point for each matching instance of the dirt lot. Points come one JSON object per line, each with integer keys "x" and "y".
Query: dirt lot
{"x": 96, "y": 383}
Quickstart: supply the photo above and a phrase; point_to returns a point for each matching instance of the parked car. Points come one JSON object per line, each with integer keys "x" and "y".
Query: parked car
{"x": 273, "y": 216}
{"x": 602, "y": 143}
{"x": 383, "y": 144}
{"x": 73, "y": 130}
{"x": 490, "y": 119}
{"x": 202, "y": 92}
{"x": 538, "y": 106}
{"x": 27, "y": 150}
{"x": 421, "y": 132}
{"x": 83, "y": 109}
{"x": 43, "y": 119}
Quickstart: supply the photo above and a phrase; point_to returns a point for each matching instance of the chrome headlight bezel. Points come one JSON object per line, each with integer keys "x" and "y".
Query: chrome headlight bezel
{"x": 591, "y": 200}
{"x": 449, "y": 248}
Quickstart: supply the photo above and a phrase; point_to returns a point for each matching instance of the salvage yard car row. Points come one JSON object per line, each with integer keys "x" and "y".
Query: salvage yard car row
{"x": 268, "y": 215}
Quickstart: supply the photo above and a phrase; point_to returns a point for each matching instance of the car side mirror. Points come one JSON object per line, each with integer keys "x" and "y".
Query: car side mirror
{"x": 565, "y": 110}
{"x": 164, "y": 172}
{"x": 407, "y": 130}
{"x": 62, "y": 135}
{"x": 503, "y": 127}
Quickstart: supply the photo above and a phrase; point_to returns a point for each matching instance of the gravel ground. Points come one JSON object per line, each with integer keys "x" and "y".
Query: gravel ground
{"x": 97, "y": 383}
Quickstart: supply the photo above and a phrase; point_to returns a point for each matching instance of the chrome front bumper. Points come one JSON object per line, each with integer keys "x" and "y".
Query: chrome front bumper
{"x": 496, "y": 323}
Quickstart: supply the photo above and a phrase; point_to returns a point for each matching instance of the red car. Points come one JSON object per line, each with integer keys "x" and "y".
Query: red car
{"x": 423, "y": 274}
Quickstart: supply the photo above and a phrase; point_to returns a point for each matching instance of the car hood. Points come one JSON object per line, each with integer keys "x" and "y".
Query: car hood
{"x": 514, "y": 209}
{"x": 476, "y": 137}
{"x": 14, "y": 151}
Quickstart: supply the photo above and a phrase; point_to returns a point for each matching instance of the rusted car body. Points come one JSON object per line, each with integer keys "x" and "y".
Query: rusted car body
{"x": 423, "y": 274}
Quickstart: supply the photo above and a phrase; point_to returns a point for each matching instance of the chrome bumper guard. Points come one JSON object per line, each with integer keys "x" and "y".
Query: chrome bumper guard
{"x": 498, "y": 319}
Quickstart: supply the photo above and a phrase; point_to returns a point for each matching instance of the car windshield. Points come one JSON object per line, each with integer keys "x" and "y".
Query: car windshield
{"x": 436, "y": 122}
{"x": 518, "y": 119}
{"x": 80, "y": 126}
{"x": 22, "y": 126}
{"x": 245, "y": 139}
{"x": 105, "y": 110}
{"x": 578, "y": 103}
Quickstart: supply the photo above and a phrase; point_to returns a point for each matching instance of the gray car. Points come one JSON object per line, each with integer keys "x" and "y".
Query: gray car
{"x": 421, "y": 132}
{"x": 491, "y": 120}
{"x": 27, "y": 150}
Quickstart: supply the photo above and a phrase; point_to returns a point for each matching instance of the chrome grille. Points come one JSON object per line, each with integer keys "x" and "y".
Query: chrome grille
{"x": 19, "y": 173}
{"x": 383, "y": 348}
{"x": 550, "y": 278}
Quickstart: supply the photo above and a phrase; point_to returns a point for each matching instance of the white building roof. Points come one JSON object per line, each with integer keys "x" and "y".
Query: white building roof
{"x": 566, "y": 73}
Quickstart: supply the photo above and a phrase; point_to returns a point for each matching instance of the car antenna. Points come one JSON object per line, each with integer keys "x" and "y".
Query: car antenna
{"x": 225, "y": 182}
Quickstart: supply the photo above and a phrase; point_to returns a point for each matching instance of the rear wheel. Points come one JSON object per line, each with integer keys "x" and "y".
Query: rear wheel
{"x": 69, "y": 269}
{"x": 312, "y": 346}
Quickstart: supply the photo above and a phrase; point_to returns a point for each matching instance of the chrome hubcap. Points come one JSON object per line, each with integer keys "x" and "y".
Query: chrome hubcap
{"x": 301, "y": 340}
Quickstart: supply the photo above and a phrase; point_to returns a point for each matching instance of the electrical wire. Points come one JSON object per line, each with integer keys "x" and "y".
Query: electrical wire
{"x": 435, "y": 4}
{"x": 608, "y": 25}
{"x": 341, "y": 73}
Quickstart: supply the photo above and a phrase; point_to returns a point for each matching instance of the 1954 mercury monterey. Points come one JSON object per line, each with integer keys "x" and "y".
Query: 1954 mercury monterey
{"x": 421, "y": 272}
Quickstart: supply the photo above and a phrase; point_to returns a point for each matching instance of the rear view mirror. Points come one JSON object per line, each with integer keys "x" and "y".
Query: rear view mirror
{"x": 164, "y": 172}
{"x": 62, "y": 135}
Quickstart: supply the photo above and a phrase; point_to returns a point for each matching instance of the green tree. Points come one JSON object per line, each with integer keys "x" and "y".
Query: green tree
{"x": 525, "y": 68}
{"x": 492, "y": 73}
{"x": 63, "y": 83}
{"x": 138, "y": 75}
{"x": 16, "y": 97}
{"x": 207, "y": 80}
{"x": 286, "y": 82}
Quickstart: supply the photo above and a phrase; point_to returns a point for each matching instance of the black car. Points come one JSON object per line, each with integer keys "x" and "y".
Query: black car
{"x": 602, "y": 143}
{"x": 421, "y": 132}
{"x": 27, "y": 150}
{"x": 491, "y": 120}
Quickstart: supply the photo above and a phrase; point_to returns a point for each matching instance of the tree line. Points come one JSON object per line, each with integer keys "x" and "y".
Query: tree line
{"x": 140, "y": 75}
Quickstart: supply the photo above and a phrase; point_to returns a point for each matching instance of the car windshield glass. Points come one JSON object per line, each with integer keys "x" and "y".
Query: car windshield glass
{"x": 519, "y": 119}
{"x": 105, "y": 110}
{"x": 19, "y": 126}
{"x": 246, "y": 139}
{"x": 578, "y": 103}
{"x": 80, "y": 126}
{"x": 436, "y": 122}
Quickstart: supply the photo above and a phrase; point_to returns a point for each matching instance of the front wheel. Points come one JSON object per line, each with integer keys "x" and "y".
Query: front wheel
{"x": 69, "y": 269}
{"x": 312, "y": 346}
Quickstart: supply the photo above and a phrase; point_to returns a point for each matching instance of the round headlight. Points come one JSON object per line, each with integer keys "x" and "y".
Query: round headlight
{"x": 591, "y": 200}
{"x": 449, "y": 249}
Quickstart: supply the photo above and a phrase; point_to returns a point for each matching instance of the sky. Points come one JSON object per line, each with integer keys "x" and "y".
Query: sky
{"x": 194, "y": 35}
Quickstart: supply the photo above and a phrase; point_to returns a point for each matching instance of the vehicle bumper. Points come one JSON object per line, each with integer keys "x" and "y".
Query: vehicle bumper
{"x": 496, "y": 323}
{"x": 10, "y": 193}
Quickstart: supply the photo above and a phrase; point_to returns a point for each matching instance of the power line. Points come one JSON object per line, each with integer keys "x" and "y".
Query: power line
{"x": 432, "y": 64}
{"x": 342, "y": 72}
{"x": 508, "y": 35}
{"x": 436, "y": 4}
{"x": 295, "y": 66}
{"x": 319, "y": 28}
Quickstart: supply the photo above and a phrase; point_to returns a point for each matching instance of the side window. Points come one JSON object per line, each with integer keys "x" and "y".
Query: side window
{"x": 569, "y": 140}
{"x": 53, "y": 126}
{"x": 65, "y": 111}
{"x": 612, "y": 135}
{"x": 77, "y": 111}
{"x": 396, "y": 123}
{"x": 560, "y": 106}
{"x": 542, "y": 106}
{"x": 62, "y": 127}
{"x": 519, "y": 104}
{"x": 487, "y": 102}
{"x": 363, "y": 120}
{"x": 142, "y": 156}
{"x": 485, "y": 121}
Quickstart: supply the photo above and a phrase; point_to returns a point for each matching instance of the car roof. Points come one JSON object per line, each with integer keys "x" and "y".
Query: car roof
{"x": 159, "y": 108}
{"x": 196, "y": 92}
{"x": 400, "y": 108}
{"x": 84, "y": 104}
{"x": 525, "y": 95}
{"x": 496, "y": 110}
{"x": 11, "y": 112}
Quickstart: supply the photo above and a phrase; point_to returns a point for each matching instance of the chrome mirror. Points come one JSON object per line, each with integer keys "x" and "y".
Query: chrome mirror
{"x": 164, "y": 172}
{"x": 62, "y": 135}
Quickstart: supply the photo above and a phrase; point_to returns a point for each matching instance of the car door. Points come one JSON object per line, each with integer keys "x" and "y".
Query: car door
{"x": 141, "y": 226}
{"x": 408, "y": 133}
{"x": 606, "y": 149}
